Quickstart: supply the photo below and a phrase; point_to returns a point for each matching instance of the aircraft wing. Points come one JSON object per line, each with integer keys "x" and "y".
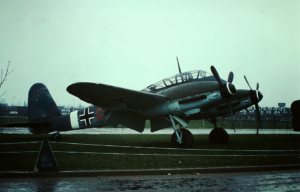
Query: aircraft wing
{"x": 114, "y": 98}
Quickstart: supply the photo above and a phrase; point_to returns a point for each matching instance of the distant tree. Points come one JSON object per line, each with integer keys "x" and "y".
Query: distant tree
{"x": 3, "y": 79}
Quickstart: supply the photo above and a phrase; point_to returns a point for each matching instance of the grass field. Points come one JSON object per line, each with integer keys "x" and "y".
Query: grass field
{"x": 67, "y": 162}
{"x": 12, "y": 119}
{"x": 192, "y": 124}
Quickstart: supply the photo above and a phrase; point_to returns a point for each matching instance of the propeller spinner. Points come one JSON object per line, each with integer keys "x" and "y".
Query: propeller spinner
{"x": 255, "y": 97}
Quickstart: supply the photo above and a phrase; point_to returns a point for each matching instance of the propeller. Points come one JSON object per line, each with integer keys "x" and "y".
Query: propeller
{"x": 231, "y": 115}
{"x": 230, "y": 77}
{"x": 255, "y": 97}
{"x": 216, "y": 74}
{"x": 227, "y": 90}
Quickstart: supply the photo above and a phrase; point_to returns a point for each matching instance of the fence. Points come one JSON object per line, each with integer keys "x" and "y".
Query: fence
{"x": 271, "y": 117}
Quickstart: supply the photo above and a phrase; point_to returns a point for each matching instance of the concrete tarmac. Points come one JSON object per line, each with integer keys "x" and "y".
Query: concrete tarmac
{"x": 287, "y": 180}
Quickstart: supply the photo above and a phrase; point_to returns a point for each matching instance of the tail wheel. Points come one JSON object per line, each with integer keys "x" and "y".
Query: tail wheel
{"x": 187, "y": 139}
{"x": 56, "y": 135}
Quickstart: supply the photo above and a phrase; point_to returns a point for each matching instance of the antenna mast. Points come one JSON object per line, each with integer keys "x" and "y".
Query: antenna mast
{"x": 178, "y": 65}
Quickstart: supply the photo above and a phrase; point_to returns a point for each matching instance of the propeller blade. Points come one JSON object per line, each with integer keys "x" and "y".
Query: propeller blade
{"x": 216, "y": 75}
{"x": 247, "y": 82}
{"x": 229, "y": 106}
{"x": 230, "y": 77}
{"x": 258, "y": 117}
{"x": 255, "y": 96}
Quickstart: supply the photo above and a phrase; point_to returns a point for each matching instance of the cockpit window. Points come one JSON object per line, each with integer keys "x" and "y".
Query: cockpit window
{"x": 177, "y": 79}
{"x": 168, "y": 82}
{"x": 201, "y": 74}
{"x": 152, "y": 87}
{"x": 183, "y": 77}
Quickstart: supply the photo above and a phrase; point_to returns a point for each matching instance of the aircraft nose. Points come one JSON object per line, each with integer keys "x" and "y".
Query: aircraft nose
{"x": 255, "y": 96}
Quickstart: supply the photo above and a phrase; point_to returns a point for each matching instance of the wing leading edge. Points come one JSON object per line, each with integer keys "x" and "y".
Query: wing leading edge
{"x": 114, "y": 98}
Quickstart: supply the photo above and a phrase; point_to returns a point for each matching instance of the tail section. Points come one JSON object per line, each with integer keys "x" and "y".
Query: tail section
{"x": 41, "y": 109}
{"x": 41, "y": 105}
{"x": 45, "y": 117}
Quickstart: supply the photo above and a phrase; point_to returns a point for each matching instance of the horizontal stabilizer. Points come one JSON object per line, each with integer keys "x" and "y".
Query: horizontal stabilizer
{"x": 32, "y": 125}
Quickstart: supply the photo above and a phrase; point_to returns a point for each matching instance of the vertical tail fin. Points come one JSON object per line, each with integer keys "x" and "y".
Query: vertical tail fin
{"x": 41, "y": 105}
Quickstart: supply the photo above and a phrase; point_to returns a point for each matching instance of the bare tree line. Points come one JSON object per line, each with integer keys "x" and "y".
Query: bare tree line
{"x": 3, "y": 79}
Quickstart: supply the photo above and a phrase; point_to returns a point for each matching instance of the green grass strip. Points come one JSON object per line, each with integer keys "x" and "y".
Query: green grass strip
{"x": 88, "y": 157}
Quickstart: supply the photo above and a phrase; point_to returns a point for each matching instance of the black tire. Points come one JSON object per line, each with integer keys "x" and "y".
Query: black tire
{"x": 218, "y": 136}
{"x": 56, "y": 136}
{"x": 187, "y": 139}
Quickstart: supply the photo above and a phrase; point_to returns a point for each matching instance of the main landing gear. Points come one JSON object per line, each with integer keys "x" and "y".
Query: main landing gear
{"x": 56, "y": 135}
{"x": 181, "y": 138}
{"x": 218, "y": 135}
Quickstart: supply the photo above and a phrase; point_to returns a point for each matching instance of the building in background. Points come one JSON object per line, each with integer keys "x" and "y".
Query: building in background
{"x": 271, "y": 117}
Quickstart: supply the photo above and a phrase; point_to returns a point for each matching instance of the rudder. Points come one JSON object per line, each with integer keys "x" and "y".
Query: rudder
{"x": 41, "y": 105}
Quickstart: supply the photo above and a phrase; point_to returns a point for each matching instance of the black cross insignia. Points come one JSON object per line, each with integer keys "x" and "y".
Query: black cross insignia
{"x": 87, "y": 116}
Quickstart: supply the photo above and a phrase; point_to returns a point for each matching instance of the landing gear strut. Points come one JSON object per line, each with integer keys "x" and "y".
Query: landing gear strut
{"x": 218, "y": 135}
{"x": 181, "y": 138}
{"x": 187, "y": 139}
{"x": 56, "y": 135}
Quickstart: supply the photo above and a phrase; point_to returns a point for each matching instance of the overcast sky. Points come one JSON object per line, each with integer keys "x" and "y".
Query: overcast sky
{"x": 133, "y": 44}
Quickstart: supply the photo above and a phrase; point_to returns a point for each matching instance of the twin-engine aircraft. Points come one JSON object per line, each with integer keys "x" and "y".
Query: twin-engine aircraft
{"x": 172, "y": 101}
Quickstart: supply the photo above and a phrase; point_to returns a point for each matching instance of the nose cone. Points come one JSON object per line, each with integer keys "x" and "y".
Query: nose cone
{"x": 255, "y": 96}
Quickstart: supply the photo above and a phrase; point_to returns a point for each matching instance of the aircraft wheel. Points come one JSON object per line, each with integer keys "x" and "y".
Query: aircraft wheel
{"x": 56, "y": 136}
{"x": 218, "y": 136}
{"x": 187, "y": 139}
